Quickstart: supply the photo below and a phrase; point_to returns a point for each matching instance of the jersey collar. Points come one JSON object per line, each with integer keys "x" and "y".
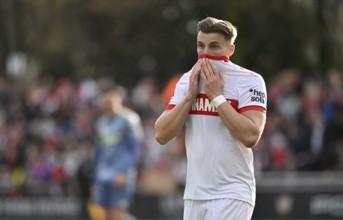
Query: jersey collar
{"x": 223, "y": 58}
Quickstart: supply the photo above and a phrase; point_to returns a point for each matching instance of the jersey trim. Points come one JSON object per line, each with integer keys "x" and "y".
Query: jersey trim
{"x": 223, "y": 58}
{"x": 170, "y": 106}
{"x": 252, "y": 107}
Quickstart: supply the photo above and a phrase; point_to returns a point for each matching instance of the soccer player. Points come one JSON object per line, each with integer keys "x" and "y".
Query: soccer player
{"x": 223, "y": 107}
{"x": 117, "y": 152}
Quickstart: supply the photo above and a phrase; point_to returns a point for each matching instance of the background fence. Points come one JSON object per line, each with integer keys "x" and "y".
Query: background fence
{"x": 279, "y": 196}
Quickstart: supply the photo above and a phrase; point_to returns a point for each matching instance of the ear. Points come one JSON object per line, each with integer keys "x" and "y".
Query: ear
{"x": 231, "y": 49}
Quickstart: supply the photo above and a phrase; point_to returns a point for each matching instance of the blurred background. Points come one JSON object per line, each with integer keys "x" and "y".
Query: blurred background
{"x": 56, "y": 55}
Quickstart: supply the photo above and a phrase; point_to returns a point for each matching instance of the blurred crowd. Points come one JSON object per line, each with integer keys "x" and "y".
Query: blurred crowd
{"x": 304, "y": 129}
{"x": 46, "y": 132}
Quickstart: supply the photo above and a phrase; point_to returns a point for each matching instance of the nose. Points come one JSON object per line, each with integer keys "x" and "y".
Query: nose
{"x": 205, "y": 50}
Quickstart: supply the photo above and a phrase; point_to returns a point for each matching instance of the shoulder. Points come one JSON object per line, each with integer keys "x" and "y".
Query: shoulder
{"x": 131, "y": 116}
{"x": 185, "y": 77}
{"x": 183, "y": 81}
{"x": 247, "y": 76}
{"x": 122, "y": 118}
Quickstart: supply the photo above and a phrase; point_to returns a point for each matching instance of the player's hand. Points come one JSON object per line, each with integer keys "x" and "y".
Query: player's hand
{"x": 212, "y": 78}
{"x": 120, "y": 180}
{"x": 193, "y": 89}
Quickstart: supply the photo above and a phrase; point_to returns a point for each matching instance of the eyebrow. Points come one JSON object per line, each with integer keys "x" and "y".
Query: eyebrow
{"x": 212, "y": 42}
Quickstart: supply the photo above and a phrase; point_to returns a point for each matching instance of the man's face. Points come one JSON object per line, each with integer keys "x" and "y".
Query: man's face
{"x": 213, "y": 44}
{"x": 111, "y": 102}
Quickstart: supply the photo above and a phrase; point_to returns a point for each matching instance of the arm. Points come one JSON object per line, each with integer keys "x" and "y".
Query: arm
{"x": 247, "y": 126}
{"x": 170, "y": 123}
{"x": 129, "y": 158}
{"x": 130, "y": 155}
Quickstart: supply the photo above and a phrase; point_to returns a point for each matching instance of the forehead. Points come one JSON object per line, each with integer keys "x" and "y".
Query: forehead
{"x": 210, "y": 37}
{"x": 111, "y": 95}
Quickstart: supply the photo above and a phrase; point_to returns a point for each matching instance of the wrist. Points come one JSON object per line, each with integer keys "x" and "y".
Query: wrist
{"x": 217, "y": 101}
{"x": 189, "y": 98}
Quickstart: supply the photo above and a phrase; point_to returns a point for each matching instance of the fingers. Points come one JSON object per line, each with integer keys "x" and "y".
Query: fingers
{"x": 213, "y": 80}
{"x": 220, "y": 75}
{"x": 194, "y": 79}
{"x": 196, "y": 70}
{"x": 206, "y": 70}
{"x": 212, "y": 68}
{"x": 209, "y": 70}
{"x": 198, "y": 66}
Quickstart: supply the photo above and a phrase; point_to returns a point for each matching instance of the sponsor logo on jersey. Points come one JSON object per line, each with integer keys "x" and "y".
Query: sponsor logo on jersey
{"x": 257, "y": 96}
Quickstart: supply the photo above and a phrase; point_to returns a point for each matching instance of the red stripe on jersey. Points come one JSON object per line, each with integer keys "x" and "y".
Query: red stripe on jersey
{"x": 200, "y": 106}
{"x": 234, "y": 103}
{"x": 224, "y": 58}
{"x": 170, "y": 106}
{"x": 253, "y": 107}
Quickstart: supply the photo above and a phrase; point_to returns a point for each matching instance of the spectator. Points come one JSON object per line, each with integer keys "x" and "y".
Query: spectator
{"x": 117, "y": 149}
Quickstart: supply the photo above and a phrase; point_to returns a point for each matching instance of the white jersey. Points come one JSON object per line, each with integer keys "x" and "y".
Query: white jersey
{"x": 219, "y": 165}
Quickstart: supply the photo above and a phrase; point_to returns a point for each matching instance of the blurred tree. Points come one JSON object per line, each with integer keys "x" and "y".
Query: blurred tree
{"x": 330, "y": 22}
{"x": 275, "y": 35}
{"x": 131, "y": 39}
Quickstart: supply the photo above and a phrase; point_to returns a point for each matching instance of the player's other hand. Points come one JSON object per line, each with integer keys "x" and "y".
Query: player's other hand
{"x": 212, "y": 78}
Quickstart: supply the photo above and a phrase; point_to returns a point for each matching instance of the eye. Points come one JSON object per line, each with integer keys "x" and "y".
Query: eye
{"x": 214, "y": 46}
{"x": 200, "y": 45}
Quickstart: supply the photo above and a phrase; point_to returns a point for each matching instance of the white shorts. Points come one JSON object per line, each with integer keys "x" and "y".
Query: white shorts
{"x": 218, "y": 209}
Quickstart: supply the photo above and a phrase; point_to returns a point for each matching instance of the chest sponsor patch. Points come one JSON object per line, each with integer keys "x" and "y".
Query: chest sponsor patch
{"x": 202, "y": 106}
